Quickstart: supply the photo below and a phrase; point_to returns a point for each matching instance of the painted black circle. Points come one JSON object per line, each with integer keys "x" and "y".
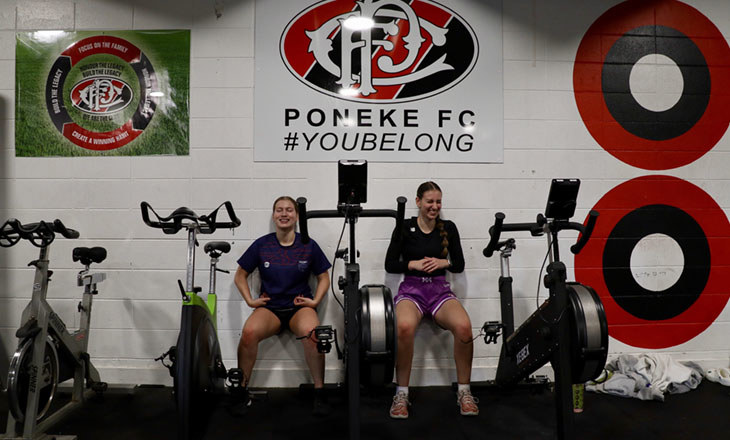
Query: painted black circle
{"x": 621, "y": 58}
{"x": 637, "y": 224}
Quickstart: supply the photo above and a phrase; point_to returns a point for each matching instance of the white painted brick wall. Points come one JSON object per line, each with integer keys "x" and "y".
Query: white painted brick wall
{"x": 137, "y": 311}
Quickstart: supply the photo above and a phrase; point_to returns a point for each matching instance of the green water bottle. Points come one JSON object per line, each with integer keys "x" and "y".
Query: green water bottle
{"x": 578, "y": 390}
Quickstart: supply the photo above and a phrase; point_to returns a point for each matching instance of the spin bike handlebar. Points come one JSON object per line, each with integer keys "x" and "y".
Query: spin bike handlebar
{"x": 398, "y": 214}
{"x": 538, "y": 228}
{"x": 40, "y": 234}
{"x": 206, "y": 224}
{"x": 585, "y": 232}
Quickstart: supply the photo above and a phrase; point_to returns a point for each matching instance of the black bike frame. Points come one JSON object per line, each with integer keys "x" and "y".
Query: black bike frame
{"x": 545, "y": 335}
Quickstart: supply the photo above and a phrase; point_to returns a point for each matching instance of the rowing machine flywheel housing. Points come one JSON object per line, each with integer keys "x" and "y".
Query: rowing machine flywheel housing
{"x": 589, "y": 331}
{"x": 378, "y": 336}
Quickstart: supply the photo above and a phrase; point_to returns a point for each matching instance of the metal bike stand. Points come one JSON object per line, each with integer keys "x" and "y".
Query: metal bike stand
{"x": 39, "y": 310}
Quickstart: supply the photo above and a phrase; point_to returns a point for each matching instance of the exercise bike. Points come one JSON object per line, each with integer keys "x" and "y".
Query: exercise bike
{"x": 195, "y": 362}
{"x": 47, "y": 352}
{"x": 370, "y": 328}
{"x": 569, "y": 329}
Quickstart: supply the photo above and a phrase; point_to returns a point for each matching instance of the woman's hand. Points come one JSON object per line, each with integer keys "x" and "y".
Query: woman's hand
{"x": 428, "y": 264}
{"x": 417, "y": 265}
{"x": 259, "y": 302}
{"x": 303, "y": 301}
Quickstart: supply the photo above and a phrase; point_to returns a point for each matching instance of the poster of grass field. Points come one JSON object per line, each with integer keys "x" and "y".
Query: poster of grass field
{"x": 98, "y": 93}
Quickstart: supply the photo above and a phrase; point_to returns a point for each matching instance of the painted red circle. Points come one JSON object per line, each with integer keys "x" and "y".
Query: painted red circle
{"x": 587, "y": 75}
{"x": 671, "y": 191}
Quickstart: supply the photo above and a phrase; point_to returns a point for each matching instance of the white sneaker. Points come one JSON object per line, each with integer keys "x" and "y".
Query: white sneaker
{"x": 467, "y": 403}
{"x": 399, "y": 408}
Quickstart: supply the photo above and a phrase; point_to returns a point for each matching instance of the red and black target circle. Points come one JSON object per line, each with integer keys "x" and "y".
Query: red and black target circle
{"x": 676, "y": 208}
{"x": 603, "y": 64}
{"x": 626, "y": 234}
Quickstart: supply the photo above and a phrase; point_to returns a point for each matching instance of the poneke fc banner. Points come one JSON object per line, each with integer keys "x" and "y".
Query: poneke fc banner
{"x": 382, "y": 80}
{"x": 121, "y": 93}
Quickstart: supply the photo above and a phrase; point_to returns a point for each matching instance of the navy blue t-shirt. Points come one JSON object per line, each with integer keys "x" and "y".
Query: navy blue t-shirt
{"x": 284, "y": 270}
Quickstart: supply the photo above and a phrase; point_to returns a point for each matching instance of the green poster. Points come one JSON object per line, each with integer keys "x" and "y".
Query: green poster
{"x": 94, "y": 93}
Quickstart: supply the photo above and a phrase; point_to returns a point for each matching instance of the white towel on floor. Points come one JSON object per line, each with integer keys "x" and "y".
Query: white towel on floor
{"x": 647, "y": 377}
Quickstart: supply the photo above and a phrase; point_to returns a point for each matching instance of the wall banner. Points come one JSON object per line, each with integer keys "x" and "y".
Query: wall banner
{"x": 382, "y": 80}
{"x": 122, "y": 93}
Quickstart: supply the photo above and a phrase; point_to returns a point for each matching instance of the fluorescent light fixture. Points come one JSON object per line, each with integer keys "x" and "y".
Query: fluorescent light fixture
{"x": 348, "y": 92}
{"x": 358, "y": 23}
{"x": 47, "y": 36}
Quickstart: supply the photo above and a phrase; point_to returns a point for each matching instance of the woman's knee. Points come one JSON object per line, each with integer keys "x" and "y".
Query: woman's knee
{"x": 406, "y": 329}
{"x": 463, "y": 332}
{"x": 250, "y": 337}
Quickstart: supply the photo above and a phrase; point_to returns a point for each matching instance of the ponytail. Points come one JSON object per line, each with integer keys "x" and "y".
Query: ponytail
{"x": 444, "y": 237}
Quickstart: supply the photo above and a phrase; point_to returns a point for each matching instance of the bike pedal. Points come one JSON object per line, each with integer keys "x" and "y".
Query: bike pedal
{"x": 29, "y": 329}
{"x": 99, "y": 387}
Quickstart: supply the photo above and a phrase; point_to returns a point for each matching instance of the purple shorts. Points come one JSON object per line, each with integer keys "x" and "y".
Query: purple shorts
{"x": 427, "y": 293}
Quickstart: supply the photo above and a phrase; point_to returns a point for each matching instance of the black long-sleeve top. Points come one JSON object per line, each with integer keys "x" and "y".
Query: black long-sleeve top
{"x": 414, "y": 244}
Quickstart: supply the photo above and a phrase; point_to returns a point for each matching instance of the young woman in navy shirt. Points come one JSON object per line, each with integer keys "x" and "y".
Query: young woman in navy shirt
{"x": 285, "y": 299}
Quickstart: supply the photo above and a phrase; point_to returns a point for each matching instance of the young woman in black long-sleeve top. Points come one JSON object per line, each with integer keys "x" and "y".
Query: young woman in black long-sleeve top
{"x": 424, "y": 250}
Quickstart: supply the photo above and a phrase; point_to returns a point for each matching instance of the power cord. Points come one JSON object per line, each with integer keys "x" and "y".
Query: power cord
{"x": 334, "y": 262}
{"x": 539, "y": 278}
{"x": 537, "y": 296}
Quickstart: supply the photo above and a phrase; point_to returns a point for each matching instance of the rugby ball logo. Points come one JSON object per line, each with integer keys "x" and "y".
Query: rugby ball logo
{"x": 379, "y": 51}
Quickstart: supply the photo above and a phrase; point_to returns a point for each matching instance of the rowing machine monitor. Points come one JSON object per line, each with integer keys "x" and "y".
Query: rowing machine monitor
{"x": 352, "y": 182}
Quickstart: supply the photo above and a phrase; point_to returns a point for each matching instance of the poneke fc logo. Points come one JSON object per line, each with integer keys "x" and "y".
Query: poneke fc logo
{"x": 101, "y": 95}
{"x": 379, "y": 50}
{"x": 101, "y": 92}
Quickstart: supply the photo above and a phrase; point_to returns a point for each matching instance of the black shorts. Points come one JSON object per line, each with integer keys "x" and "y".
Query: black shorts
{"x": 284, "y": 315}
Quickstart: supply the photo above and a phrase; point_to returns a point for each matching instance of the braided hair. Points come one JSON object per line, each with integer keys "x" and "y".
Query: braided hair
{"x": 432, "y": 186}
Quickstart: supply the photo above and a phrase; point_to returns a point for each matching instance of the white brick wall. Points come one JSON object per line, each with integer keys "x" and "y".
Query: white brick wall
{"x": 137, "y": 312}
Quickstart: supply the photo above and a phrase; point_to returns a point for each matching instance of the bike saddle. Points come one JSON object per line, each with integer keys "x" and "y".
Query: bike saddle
{"x": 89, "y": 255}
{"x": 222, "y": 247}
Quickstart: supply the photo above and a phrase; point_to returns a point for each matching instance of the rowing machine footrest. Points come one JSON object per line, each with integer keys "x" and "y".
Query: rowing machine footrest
{"x": 492, "y": 330}
{"x": 235, "y": 377}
